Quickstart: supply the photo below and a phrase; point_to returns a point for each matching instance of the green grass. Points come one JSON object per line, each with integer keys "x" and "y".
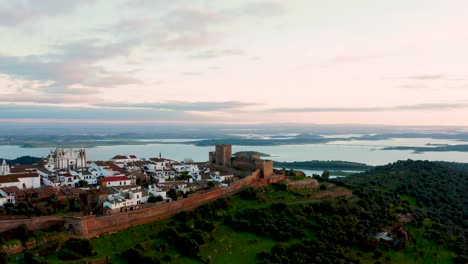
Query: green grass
{"x": 342, "y": 173}
{"x": 411, "y": 200}
{"x": 13, "y": 242}
{"x": 228, "y": 246}
{"x": 234, "y": 247}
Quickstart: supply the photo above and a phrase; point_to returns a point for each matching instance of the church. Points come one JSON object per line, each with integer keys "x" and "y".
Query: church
{"x": 66, "y": 159}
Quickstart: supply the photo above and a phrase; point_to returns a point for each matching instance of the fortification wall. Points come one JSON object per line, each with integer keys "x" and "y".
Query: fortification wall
{"x": 92, "y": 226}
{"x": 31, "y": 223}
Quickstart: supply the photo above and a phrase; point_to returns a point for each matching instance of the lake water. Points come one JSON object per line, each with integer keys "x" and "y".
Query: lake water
{"x": 368, "y": 152}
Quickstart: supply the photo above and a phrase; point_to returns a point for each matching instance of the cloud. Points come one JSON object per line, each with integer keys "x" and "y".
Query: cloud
{"x": 72, "y": 70}
{"x": 414, "y": 86}
{"x": 191, "y": 73}
{"x": 415, "y": 107}
{"x": 212, "y": 54}
{"x": 79, "y": 113}
{"x": 260, "y": 9}
{"x": 19, "y": 11}
{"x": 352, "y": 59}
{"x": 426, "y": 77}
{"x": 182, "y": 106}
{"x": 185, "y": 26}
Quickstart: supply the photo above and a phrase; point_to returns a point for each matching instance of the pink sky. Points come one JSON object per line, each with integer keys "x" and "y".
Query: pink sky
{"x": 366, "y": 62}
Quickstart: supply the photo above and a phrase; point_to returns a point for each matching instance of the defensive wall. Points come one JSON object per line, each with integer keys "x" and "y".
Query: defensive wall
{"x": 32, "y": 222}
{"x": 92, "y": 226}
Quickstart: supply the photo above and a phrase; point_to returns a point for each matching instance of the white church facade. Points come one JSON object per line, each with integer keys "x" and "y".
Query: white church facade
{"x": 66, "y": 159}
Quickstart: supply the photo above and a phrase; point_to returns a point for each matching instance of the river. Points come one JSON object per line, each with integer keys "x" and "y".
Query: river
{"x": 369, "y": 152}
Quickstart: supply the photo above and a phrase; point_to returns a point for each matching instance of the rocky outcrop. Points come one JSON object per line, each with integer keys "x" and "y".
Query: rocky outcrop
{"x": 13, "y": 248}
{"x": 306, "y": 184}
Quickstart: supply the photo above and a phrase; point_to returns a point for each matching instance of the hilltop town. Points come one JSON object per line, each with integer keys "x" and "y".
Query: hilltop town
{"x": 67, "y": 182}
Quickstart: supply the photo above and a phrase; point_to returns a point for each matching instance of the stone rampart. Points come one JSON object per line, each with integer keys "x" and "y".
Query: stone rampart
{"x": 92, "y": 226}
{"x": 32, "y": 223}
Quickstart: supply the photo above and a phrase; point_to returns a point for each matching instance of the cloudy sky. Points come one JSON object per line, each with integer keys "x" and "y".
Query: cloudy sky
{"x": 234, "y": 61}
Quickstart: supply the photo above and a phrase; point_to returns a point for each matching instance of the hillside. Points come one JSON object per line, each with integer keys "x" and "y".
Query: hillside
{"x": 433, "y": 193}
{"x": 25, "y": 160}
{"x": 324, "y": 165}
{"x": 422, "y": 205}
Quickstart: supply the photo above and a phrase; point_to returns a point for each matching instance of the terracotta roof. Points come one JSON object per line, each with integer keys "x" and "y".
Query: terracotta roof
{"x": 12, "y": 189}
{"x": 113, "y": 179}
{"x": 23, "y": 168}
{"x": 158, "y": 159}
{"x": 118, "y": 169}
{"x": 138, "y": 163}
{"x": 133, "y": 156}
{"x": 102, "y": 163}
{"x": 119, "y": 157}
{"x": 15, "y": 177}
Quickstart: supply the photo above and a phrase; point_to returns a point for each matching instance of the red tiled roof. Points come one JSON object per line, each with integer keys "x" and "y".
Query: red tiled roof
{"x": 15, "y": 177}
{"x": 133, "y": 156}
{"x": 119, "y": 157}
{"x": 12, "y": 189}
{"x": 118, "y": 169}
{"x": 158, "y": 159}
{"x": 113, "y": 179}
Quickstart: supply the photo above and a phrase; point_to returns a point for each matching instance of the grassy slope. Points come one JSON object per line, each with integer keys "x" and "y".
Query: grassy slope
{"x": 226, "y": 245}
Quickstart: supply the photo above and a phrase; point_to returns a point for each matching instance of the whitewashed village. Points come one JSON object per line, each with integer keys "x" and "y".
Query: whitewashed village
{"x": 66, "y": 181}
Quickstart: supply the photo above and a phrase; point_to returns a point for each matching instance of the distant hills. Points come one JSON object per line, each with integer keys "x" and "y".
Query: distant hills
{"x": 324, "y": 165}
{"x": 25, "y": 160}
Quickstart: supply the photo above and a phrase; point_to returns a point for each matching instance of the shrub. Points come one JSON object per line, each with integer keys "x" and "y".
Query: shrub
{"x": 279, "y": 186}
{"x": 248, "y": 194}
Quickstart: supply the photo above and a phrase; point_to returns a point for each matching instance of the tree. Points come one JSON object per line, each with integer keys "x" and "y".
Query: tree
{"x": 81, "y": 183}
{"x": 173, "y": 194}
{"x": 153, "y": 199}
{"x": 326, "y": 175}
{"x": 211, "y": 184}
{"x": 4, "y": 258}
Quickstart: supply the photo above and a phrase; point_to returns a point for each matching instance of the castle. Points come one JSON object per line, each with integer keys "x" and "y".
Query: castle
{"x": 222, "y": 156}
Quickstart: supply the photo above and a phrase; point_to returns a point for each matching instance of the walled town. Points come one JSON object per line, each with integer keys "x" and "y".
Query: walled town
{"x": 92, "y": 197}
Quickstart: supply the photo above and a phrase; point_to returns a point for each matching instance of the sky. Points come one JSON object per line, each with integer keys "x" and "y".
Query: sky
{"x": 234, "y": 61}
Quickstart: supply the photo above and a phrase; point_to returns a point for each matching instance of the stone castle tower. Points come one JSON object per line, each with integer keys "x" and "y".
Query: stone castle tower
{"x": 222, "y": 155}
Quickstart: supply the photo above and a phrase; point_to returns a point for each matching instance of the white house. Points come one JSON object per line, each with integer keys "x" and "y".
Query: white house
{"x": 155, "y": 191}
{"x": 221, "y": 178}
{"x": 126, "y": 199}
{"x": 115, "y": 181}
{"x": 124, "y": 158}
{"x": 7, "y": 196}
{"x": 158, "y": 164}
{"x": 21, "y": 180}
{"x": 51, "y": 181}
{"x": 192, "y": 170}
{"x": 87, "y": 176}
{"x": 100, "y": 168}
{"x": 68, "y": 178}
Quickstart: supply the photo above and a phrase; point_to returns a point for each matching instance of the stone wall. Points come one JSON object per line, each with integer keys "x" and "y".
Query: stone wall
{"x": 32, "y": 223}
{"x": 303, "y": 184}
{"x": 92, "y": 226}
